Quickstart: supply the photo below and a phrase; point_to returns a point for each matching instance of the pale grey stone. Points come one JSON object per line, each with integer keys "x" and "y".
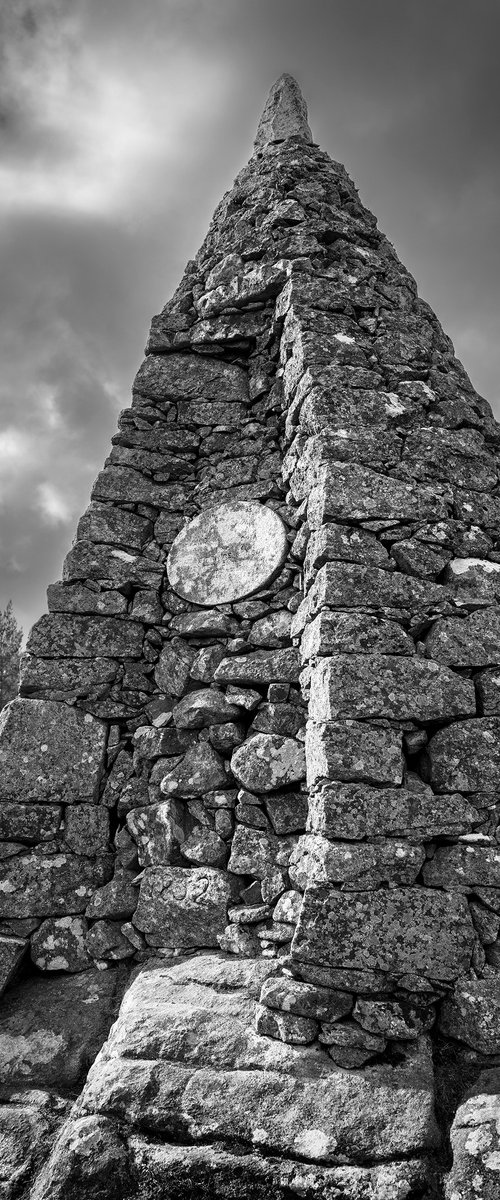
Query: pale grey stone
{"x": 284, "y": 116}
{"x": 267, "y": 762}
{"x": 256, "y": 853}
{"x": 159, "y": 830}
{"x": 369, "y": 685}
{"x": 471, "y": 1014}
{"x": 207, "y": 706}
{"x": 352, "y": 811}
{"x": 62, "y": 635}
{"x": 357, "y": 865}
{"x": 397, "y": 931}
{"x": 354, "y": 751}
{"x": 49, "y": 752}
{"x": 353, "y": 633}
{"x": 465, "y": 756}
{"x": 227, "y": 552}
{"x": 475, "y": 1141}
{"x": 185, "y": 907}
{"x": 263, "y": 667}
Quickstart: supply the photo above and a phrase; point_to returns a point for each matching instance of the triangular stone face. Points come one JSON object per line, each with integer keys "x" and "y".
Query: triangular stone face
{"x": 262, "y": 717}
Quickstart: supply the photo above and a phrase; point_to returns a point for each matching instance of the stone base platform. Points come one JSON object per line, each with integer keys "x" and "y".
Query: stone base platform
{"x": 186, "y": 1099}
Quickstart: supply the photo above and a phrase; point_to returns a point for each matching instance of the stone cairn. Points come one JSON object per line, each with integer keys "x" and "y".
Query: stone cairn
{"x": 262, "y": 715}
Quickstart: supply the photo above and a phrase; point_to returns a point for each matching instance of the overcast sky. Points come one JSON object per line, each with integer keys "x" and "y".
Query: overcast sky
{"x": 122, "y": 122}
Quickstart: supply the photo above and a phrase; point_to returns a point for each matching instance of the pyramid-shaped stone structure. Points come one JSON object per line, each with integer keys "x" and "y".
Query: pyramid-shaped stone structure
{"x": 257, "y": 745}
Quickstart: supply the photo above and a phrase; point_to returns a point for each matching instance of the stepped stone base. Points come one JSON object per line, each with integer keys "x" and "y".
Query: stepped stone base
{"x": 184, "y": 1067}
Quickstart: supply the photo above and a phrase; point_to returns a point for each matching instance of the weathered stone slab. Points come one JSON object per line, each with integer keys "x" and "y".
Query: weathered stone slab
{"x": 227, "y": 552}
{"x": 58, "y": 676}
{"x": 458, "y": 456}
{"x": 354, "y": 750}
{"x": 465, "y": 757}
{"x": 471, "y": 1014}
{"x": 86, "y": 829}
{"x": 471, "y": 641}
{"x": 344, "y": 542}
{"x": 397, "y": 931}
{"x": 353, "y": 633}
{"x": 369, "y": 685}
{"x": 349, "y": 491}
{"x": 188, "y": 377}
{"x": 49, "y": 752}
{"x": 173, "y": 667}
{"x": 114, "y": 526}
{"x": 77, "y": 598}
{"x": 287, "y": 811}
{"x": 284, "y": 116}
{"x": 355, "y": 866}
{"x": 184, "y": 908}
{"x": 122, "y": 485}
{"x": 256, "y": 853}
{"x": 463, "y": 865}
{"x": 379, "y": 449}
{"x": 399, "y": 1019}
{"x": 349, "y": 585}
{"x": 475, "y": 1142}
{"x": 343, "y": 810}
{"x": 41, "y": 885}
{"x": 116, "y": 900}
{"x": 265, "y": 666}
{"x": 51, "y": 1027}
{"x": 86, "y": 560}
{"x": 197, "y": 1060}
{"x": 267, "y": 762}
{"x": 30, "y": 823}
{"x": 61, "y": 635}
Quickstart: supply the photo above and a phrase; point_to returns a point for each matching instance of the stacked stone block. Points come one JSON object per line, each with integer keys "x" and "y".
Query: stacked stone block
{"x": 289, "y": 753}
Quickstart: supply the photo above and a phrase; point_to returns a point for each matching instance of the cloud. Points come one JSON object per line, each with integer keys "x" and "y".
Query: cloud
{"x": 52, "y": 504}
{"x": 85, "y": 128}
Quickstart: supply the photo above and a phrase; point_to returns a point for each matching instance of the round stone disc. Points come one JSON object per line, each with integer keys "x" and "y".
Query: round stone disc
{"x": 227, "y": 552}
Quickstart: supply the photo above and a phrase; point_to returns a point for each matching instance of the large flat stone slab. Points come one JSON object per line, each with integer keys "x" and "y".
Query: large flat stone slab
{"x": 381, "y": 685}
{"x": 184, "y": 1059}
{"x": 227, "y": 552}
{"x": 50, "y": 752}
{"x": 42, "y": 885}
{"x": 397, "y": 931}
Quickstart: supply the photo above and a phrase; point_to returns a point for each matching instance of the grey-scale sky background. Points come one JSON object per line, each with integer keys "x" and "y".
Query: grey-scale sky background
{"x": 122, "y": 122}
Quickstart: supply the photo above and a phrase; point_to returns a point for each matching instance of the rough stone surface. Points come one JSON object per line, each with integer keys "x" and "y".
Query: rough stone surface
{"x": 227, "y": 552}
{"x": 59, "y": 945}
{"x": 398, "y": 931}
{"x": 358, "y": 811}
{"x": 41, "y": 884}
{"x": 358, "y": 866}
{"x": 267, "y": 762}
{"x": 49, "y": 752}
{"x": 472, "y": 1014}
{"x": 364, "y": 685}
{"x": 182, "y": 907}
{"x": 284, "y": 116}
{"x": 475, "y": 1142}
{"x": 198, "y": 1064}
{"x": 465, "y": 757}
{"x": 353, "y": 750}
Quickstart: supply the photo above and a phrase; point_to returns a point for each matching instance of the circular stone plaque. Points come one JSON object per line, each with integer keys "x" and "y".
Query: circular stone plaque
{"x": 227, "y": 552}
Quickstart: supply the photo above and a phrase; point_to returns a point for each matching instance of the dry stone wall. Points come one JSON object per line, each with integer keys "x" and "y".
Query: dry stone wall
{"x": 261, "y": 716}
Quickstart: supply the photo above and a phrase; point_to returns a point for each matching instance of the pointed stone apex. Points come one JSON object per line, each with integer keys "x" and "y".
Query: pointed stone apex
{"x": 284, "y": 116}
